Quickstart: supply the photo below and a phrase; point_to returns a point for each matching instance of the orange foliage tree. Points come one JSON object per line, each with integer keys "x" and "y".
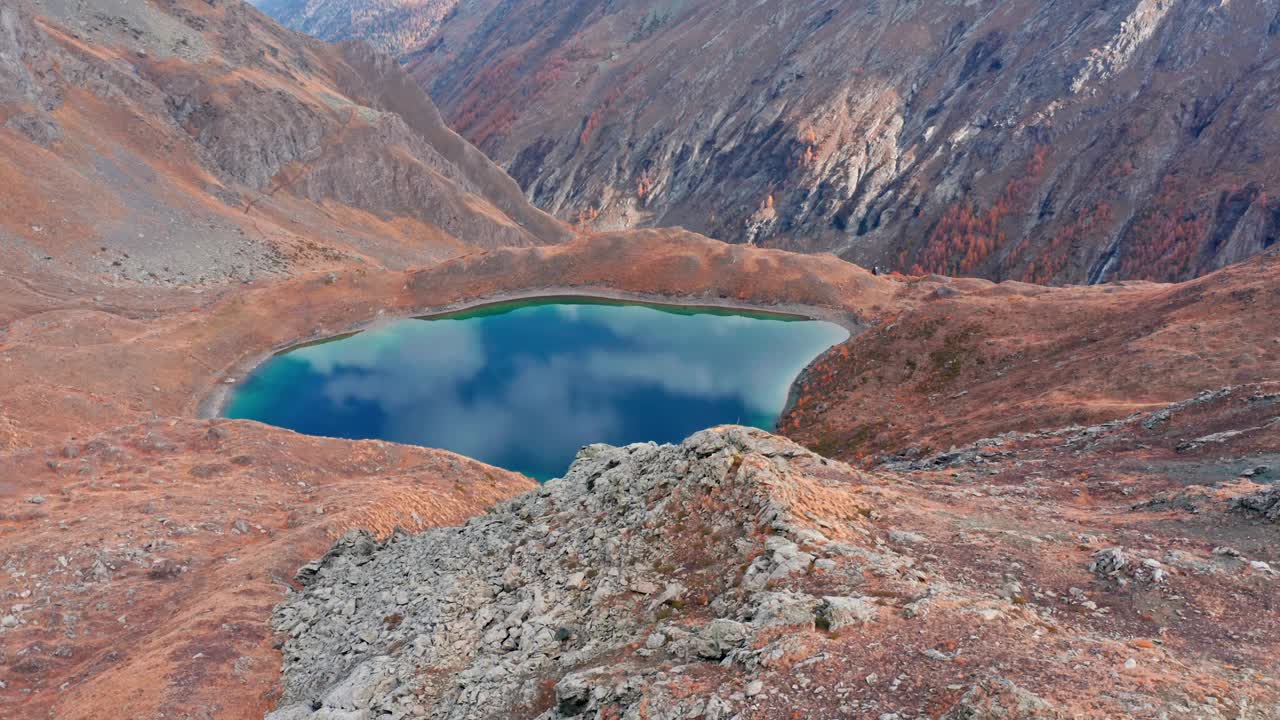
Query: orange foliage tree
{"x": 1165, "y": 239}
{"x": 596, "y": 118}
{"x": 965, "y": 237}
{"x": 585, "y": 220}
{"x": 1053, "y": 258}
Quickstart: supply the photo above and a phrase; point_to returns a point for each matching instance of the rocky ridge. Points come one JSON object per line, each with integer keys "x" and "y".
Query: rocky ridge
{"x": 739, "y": 575}
{"x": 602, "y": 592}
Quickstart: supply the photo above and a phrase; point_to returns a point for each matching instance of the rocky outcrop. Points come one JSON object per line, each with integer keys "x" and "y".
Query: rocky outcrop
{"x": 737, "y": 575}
{"x": 1264, "y": 504}
{"x": 665, "y": 555}
{"x": 999, "y": 699}
{"x": 144, "y": 560}
{"x": 1057, "y": 142}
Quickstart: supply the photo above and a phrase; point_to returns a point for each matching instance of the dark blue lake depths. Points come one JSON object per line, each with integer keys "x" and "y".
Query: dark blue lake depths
{"x": 524, "y": 385}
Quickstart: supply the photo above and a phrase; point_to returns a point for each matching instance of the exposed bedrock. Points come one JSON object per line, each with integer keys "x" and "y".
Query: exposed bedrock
{"x": 740, "y": 575}
{"x": 589, "y": 592}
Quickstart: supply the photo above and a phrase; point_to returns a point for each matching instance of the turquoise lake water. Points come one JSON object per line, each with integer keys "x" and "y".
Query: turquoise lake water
{"x": 524, "y": 385}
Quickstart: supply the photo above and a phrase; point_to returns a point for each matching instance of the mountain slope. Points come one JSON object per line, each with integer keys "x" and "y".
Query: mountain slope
{"x": 1042, "y": 141}
{"x": 195, "y": 142}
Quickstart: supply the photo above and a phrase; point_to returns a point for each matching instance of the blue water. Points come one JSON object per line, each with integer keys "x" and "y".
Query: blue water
{"x": 525, "y": 385}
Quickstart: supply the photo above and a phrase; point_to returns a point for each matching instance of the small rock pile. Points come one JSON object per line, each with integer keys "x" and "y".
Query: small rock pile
{"x": 1114, "y": 562}
{"x": 607, "y": 590}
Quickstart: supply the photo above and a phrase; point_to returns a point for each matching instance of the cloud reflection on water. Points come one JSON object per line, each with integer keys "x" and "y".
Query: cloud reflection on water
{"x": 525, "y": 389}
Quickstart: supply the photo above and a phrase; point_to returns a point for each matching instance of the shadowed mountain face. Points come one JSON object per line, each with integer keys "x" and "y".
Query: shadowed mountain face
{"x": 1042, "y": 141}
{"x": 190, "y": 143}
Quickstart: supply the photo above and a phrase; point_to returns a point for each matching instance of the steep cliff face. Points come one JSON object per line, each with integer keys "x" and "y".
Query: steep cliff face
{"x": 1044, "y": 141}
{"x": 195, "y": 142}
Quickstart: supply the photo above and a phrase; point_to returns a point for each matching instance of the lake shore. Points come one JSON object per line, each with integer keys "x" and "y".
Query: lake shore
{"x": 215, "y": 404}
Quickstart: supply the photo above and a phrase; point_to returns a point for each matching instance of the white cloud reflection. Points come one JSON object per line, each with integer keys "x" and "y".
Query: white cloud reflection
{"x": 429, "y": 378}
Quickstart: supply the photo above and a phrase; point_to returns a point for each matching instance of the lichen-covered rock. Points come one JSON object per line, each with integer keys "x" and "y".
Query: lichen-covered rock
{"x": 719, "y": 638}
{"x": 1264, "y": 504}
{"x": 838, "y": 612}
{"x": 996, "y": 698}
{"x": 1108, "y": 561}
